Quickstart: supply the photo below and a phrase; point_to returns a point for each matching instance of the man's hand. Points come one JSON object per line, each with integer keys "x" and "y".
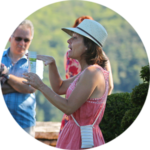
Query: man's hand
{"x": 3, "y": 73}
{"x": 3, "y": 70}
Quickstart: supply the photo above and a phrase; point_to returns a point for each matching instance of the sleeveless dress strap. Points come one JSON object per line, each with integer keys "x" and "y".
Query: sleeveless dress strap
{"x": 98, "y": 115}
{"x": 76, "y": 79}
{"x": 94, "y": 121}
{"x": 105, "y": 72}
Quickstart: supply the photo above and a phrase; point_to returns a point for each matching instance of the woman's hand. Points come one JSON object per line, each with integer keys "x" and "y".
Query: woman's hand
{"x": 46, "y": 59}
{"x": 33, "y": 80}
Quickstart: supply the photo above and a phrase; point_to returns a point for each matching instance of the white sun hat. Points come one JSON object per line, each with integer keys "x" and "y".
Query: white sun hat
{"x": 90, "y": 29}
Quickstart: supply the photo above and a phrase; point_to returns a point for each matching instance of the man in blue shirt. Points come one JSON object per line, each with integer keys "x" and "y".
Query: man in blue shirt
{"x": 20, "y": 98}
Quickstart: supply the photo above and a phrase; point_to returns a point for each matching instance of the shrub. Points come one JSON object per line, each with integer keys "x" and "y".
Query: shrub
{"x": 129, "y": 117}
{"x": 139, "y": 93}
{"x": 145, "y": 73}
{"x": 123, "y": 108}
{"x": 116, "y": 106}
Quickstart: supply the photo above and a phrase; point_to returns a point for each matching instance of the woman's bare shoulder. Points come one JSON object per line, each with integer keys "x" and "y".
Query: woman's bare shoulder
{"x": 92, "y": 72}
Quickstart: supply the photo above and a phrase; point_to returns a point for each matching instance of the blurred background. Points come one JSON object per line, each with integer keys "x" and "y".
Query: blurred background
{"x": 123, "y": 46}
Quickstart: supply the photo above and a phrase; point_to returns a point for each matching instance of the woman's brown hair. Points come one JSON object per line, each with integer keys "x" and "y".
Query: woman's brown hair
{"x": 94, "y": 53}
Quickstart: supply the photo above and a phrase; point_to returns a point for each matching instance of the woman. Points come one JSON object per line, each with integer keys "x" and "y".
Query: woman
{"x": 86, "y": 93}
{"x": 72, "y": 68}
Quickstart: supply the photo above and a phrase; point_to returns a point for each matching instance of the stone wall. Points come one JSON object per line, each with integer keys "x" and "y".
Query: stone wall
{"x": 47, "y": 132}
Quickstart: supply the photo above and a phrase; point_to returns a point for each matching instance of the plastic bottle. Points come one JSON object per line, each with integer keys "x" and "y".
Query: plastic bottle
{"x": 32, "y": 61}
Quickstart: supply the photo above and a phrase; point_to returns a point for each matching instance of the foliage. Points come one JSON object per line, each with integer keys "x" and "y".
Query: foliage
{"x": 116, "y": 106}
{"x": 129, "y": 117}
{"x": 138, "y": 97}
{"x": 123, "y": 108}
{"x": 139, "y": 93}
{"x": 145, "y": 73}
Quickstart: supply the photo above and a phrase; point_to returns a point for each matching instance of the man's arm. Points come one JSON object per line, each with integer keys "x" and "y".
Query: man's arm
{"x": 17, "y": 84}
{"x": 6, "y": 88}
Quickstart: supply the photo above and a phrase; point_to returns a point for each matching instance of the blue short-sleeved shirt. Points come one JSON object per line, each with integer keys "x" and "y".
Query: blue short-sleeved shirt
{"x": 21, "y": 106}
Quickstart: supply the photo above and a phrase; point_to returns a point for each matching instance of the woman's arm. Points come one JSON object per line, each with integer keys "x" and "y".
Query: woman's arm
{"x": 83, "y": 90}
{"x": 108, "y": 68}
{"x": 111, "y": 85}
{"x": 58, "y": 85}
{"x": 80, "y": 94}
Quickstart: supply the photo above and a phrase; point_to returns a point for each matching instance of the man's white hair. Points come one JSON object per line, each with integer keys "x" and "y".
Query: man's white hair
{"x": 25, "y": 23}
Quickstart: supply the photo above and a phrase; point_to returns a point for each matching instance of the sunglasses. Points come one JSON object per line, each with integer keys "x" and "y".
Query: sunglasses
{"x": 18, "y": 39}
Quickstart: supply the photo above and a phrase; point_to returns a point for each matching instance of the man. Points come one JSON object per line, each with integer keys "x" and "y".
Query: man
{"x": 20, "y": 98}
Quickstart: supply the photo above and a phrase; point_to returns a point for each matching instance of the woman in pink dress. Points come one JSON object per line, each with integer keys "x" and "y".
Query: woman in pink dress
{"x": 72, "y": 68}
{"x": 86, "y": 93}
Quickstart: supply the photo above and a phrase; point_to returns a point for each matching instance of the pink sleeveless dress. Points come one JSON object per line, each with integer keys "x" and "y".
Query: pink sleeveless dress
{"x": 70, "y": 136}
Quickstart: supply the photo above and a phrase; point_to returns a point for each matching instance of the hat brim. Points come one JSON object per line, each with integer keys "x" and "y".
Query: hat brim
{"x": 70, "y": 31}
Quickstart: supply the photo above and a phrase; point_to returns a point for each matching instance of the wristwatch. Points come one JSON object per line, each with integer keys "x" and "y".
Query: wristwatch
{"x": 7, "y": 77}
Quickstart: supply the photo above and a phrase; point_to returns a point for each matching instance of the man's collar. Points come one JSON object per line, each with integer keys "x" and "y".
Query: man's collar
{"x": 6, "y": 53}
